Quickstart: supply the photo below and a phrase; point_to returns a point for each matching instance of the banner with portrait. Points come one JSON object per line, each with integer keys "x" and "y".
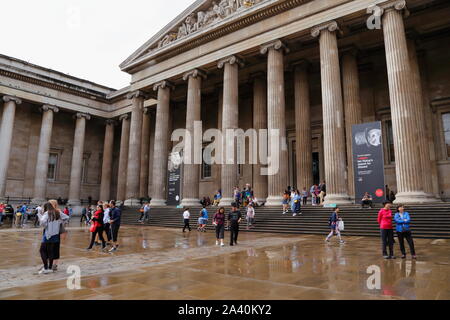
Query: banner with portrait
{"x": 368, "y": 161}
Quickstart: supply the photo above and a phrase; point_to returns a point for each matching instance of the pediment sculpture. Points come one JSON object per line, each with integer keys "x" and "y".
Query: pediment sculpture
{"x": 196, "y": 21}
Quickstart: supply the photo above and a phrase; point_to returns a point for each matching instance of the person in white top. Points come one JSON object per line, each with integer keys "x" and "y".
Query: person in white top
{"x": 106, "y": 222}
{"x": 250, "y": 216}
{"x": 186, "y": 217}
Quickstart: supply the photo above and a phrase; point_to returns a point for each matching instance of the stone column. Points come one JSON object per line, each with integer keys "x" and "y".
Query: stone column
{"x": 333, "y": 115}
{"x": 422, "y": 141}
{"x": 108, "y": 148}
{"x": 403, "y": 106}
{"x": 77, "y": 159}
{"x": 134, "y": 155}
{"x": 150, "y": 152}
{"x": 303, "y": 126}
{"x": 260, "y": 183}
{"x": 230, "y": 121}
{"x": 123, "y": 157}
{"x": 6, "y": 133}
{"x": 40, "y": 176}
{"x": 161, "y": 150}
{"x": 352, "y": 108}
{"x": 276, "y": 113}
{"x": 193, "y": 113}
{"x": 145, "y": 154}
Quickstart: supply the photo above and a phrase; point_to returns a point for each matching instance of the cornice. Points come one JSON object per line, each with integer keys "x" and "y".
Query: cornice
{"x": 53, "y": 86}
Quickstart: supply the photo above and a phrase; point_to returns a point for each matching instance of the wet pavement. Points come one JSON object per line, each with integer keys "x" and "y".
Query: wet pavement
{"x": 159, "y": 263}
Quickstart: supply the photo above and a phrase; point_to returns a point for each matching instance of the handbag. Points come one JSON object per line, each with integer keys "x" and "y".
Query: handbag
{"x": 62, "y": 229}
{"x": 341, "y": 225}
{"x": 92, "y": 228}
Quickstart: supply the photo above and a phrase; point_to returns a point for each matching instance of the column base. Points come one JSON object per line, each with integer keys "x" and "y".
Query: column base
{"x": 158, "y": 203}
{"x": 338, "y": 199}
{"x": 37, "y": 201}
{"x": 133, "y": 203}
{"x": 414, "y": 198}
{"x": 226, "y": 202}
{"x": 74, "y": 202}
{"x": 274, "y": 201}
{"x": 190, "y": 202}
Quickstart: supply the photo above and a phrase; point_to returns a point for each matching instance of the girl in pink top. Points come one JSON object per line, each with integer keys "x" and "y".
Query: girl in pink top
{"x": 387, "y": 230}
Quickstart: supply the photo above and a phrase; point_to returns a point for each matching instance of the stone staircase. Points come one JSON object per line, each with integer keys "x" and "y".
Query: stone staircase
{"x": 428, "y": 221}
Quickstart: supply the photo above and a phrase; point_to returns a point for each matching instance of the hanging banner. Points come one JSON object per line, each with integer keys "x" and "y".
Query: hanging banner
{"x": 368, "y": 161}
{"x": 174, "y": 179}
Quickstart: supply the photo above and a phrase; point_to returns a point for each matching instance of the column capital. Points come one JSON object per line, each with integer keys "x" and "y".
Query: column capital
{"x": 124, "y": 117}
{"x": 136, "y": 94}
{"x": 230, "y": 60}
{"x": 163, "y": 85}
{"x": 331, "y": 26}
{"x": 276, "y": 45}
{"x": 48, "y": 107}
{"x": 398, "y": 5}
{"x": 111, "y": 122}
{"x": 194, "y": 74}
{"x": 12, "y": 98}
{"x": 80, "y": 115}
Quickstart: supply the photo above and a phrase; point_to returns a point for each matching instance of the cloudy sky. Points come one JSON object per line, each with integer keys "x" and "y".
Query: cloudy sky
{"x": 84, "y": 38}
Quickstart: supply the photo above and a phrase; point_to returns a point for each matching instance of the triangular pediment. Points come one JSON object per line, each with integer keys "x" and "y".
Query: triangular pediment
{"x": 200, "y": 16}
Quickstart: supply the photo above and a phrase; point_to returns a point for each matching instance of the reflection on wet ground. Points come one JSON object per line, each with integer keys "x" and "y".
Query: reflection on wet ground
{"x": 159, "y": 263}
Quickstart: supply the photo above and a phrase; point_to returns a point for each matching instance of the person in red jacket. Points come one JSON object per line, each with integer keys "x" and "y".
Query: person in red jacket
{"x": 387, "y": 230}
{"x": 97, "y": 227}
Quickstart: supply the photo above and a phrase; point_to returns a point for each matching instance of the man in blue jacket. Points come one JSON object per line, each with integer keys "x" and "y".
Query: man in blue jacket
{"x": 403, "y": 220}
{"x": 116, "y": 214}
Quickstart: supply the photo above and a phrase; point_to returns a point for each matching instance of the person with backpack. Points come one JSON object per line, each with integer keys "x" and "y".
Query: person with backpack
{"x": 333, "y": 223}
{"x": 97, "y": 228}
{"x": 403, "y": 220}
{"x": 386, "y": 230}
{"x": 234, "y": 219}
{"x": 219, "y": 223}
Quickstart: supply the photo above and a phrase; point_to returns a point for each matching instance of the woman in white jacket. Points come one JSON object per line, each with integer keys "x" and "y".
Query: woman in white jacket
{"x": 53, "y": 225}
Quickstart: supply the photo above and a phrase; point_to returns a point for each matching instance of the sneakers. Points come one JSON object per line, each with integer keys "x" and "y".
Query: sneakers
{"x": 45, "y": 271}
{"x": 113, "y": 249}
{"x": 55, "y": 268}
{"x": 404, "y": 257}
{"x": 342, "y": 241}
{"x": 217, "y": 243}
{"x": 414, "y": 257}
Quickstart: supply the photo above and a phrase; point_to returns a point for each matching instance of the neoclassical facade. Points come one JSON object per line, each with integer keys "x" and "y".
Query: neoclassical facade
{"x": 310, "y": 69}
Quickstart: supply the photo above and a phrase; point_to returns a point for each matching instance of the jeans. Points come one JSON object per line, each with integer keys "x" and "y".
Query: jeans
{"x": 186, "y": 225}
{"x": 24, "y": 218}
{"x": 144, "y": 216}
{"x": 234, "y": 232}
{"x": 387, "y": 240}
{"x": 1, "y": 217}
{"x": 107, "y": 229}
{"x": 98, "y": 231}
{"x": 408, "y": 236}
{"x": 220, "y": 231}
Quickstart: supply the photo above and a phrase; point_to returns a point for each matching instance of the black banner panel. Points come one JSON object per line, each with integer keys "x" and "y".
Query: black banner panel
{"x": 174, "y": 179}
{"x": 368, "y": 161}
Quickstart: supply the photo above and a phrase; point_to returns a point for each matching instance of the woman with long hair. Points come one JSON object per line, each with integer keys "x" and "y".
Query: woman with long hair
{"x": 219, "y": 223}
{"x": 52, "y": 224}
{"x": 63, "y": 234}
{"x": 97, "y": 227}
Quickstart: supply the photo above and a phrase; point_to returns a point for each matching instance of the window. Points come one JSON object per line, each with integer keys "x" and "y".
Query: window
{"x": 390, "y": 142}
{"x": 446, "y": 126}
{"x": 52, "y": 166}
{"x": 206, "y": 167}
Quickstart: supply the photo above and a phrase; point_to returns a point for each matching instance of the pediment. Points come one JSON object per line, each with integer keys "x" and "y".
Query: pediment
{"x": 201, "y": 16}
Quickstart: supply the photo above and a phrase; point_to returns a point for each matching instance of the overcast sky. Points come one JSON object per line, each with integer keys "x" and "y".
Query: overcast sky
{"x": 84, "y": 38}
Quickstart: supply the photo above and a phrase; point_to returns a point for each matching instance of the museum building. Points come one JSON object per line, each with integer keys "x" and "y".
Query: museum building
{"x": 311, "y": 69}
